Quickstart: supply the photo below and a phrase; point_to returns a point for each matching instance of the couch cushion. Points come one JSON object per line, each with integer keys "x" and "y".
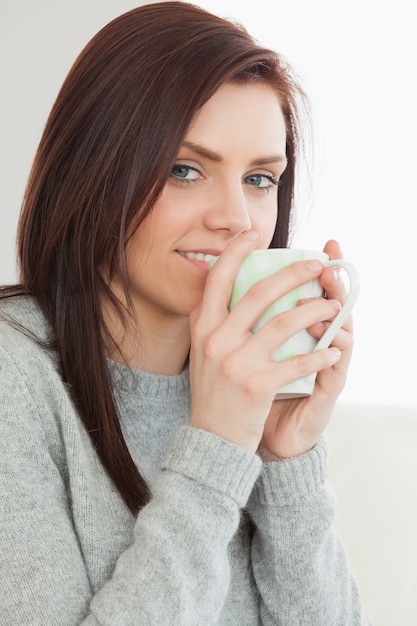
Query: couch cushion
{"x": 373, "y": 471}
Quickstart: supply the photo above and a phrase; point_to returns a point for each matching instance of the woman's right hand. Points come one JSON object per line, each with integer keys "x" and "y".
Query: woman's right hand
{"x": 232, "y": 375}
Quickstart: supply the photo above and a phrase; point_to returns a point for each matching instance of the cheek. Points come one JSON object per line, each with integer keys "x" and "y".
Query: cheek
{"x": 265, "y": 223}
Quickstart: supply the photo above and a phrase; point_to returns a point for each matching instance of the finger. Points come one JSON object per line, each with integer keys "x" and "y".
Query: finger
{"x": 342, "y": 340}
{"x": 249, "y": 309}
{"x": 220, "y": 278}
{"x": 234, "y": 335}
{"x": 332, "y": 380}
{"x": 306, "y": 364}
{"x": 262, "y": 345}
{"x": 276, "y": 374}
{"x": 333, "y": 249}
{"x": 333, "y": 283}
{"x": 330, "y": 278}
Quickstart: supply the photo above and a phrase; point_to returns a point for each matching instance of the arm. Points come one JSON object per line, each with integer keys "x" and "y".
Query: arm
{"x": 173, "y": 569}
{"x": 298, "y": 562}
{"x": 179, "y": 557}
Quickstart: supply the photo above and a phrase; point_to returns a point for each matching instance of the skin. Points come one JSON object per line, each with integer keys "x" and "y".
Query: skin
{"x": 221, "y": 200}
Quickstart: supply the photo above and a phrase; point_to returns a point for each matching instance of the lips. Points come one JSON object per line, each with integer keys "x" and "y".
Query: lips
{"x": 200, "y": 256}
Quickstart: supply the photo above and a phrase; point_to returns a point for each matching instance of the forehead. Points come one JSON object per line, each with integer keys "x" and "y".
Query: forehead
{"x": 247, "y": 114}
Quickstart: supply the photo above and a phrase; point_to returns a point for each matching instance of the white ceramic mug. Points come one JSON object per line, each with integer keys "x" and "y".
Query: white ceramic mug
{"x": 262, "y": 263}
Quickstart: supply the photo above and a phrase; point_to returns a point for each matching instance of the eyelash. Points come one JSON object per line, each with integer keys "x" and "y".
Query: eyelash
{"x": 183, "y": 180}
{"x": 273, "y": 182}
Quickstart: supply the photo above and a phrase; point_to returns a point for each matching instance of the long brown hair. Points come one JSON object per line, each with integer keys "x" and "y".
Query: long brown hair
{"x": 107, "y": 150}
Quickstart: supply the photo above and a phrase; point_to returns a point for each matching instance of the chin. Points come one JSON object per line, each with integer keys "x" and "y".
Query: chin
{"x": 191, "y": 297}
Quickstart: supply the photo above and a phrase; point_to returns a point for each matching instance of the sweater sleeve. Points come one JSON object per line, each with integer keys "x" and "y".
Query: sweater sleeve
{"x": 182, "y": 535}
{"x": 174, "y": 572}
{"x": 299, "y": 564}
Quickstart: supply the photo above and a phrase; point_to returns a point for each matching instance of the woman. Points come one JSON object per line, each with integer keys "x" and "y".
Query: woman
{"x": 147, "y": 476}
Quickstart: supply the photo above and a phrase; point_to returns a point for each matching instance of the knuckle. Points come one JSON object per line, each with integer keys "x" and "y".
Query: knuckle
{"x": 247, "y": 381}
{"x": 283, "y": 322}
{"x": 255, "y": 292}
{"x": 331, "y": 308}
{"x": 302, "y": 364}
{"x": 255, "y": 385}
{"x": 302, "y": 270}
{"x": 250, "y": 386}
{"x": 208, "y": 342}
{"x": 230, "y": 367}
{"x": 210, "y": 346}
{"x": 343, "y": 340}
{"x": 197, "y": 334}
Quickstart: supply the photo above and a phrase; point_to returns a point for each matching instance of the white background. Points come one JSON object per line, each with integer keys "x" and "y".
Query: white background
{"x": 356, "y": 61}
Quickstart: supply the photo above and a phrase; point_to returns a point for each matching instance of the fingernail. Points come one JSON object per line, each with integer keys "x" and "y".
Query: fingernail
{"x": 304, "y": 301}
{"x": 335, "y": 354}
{"x": 315, "y": 265}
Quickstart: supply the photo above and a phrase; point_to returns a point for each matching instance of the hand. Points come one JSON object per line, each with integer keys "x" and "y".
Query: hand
{"x": 294, "y": 426}
{"x": 232, "y": 375}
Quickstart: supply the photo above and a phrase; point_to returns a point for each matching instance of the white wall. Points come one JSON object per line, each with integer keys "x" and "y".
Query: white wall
{"x": 356, "y": 61}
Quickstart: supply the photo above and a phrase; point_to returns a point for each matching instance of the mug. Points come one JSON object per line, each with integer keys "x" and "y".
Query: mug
{"x": 259, "y": 264}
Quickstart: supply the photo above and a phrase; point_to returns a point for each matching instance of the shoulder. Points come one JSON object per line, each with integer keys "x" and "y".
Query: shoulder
{"x": 28, "y": 367}
{"x": 23, "y": 314}
{"x": 24, "y": 330}
{"x": 35, "y": 404}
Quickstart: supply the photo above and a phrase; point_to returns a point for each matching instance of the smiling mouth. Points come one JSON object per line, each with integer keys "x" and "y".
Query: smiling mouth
{"x": 200, "y": 256}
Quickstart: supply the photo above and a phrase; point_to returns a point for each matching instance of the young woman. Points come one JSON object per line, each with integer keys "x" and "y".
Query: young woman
{"x": 146, "y": 474}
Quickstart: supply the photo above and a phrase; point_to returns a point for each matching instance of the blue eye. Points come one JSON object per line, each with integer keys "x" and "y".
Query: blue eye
{"x": 184, "y": 173}
{"x": 261, "y": 181}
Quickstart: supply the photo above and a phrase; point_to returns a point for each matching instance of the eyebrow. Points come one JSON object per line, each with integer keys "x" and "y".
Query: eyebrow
{"x": 214, "y": 156}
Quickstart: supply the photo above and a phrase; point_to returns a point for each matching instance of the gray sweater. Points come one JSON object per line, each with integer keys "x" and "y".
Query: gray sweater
{"x": 72, "y": 553}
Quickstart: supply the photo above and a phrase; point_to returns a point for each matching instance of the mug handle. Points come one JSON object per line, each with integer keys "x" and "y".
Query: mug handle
{"x": 346, "y": 309}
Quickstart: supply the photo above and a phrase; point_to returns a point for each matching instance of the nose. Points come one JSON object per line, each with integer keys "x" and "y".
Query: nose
{"x": 228, "y": 209}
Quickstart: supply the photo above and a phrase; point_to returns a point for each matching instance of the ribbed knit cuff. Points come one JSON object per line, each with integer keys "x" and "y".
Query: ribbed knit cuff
{"x": 214, "y": 462}
{"x": 291, "y": 481}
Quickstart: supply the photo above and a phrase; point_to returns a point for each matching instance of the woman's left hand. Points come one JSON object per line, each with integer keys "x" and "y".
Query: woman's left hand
{"x": 294, "y": 426}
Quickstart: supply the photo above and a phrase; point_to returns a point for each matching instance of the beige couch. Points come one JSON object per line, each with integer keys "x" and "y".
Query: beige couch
{"x": 373, "y": 471}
